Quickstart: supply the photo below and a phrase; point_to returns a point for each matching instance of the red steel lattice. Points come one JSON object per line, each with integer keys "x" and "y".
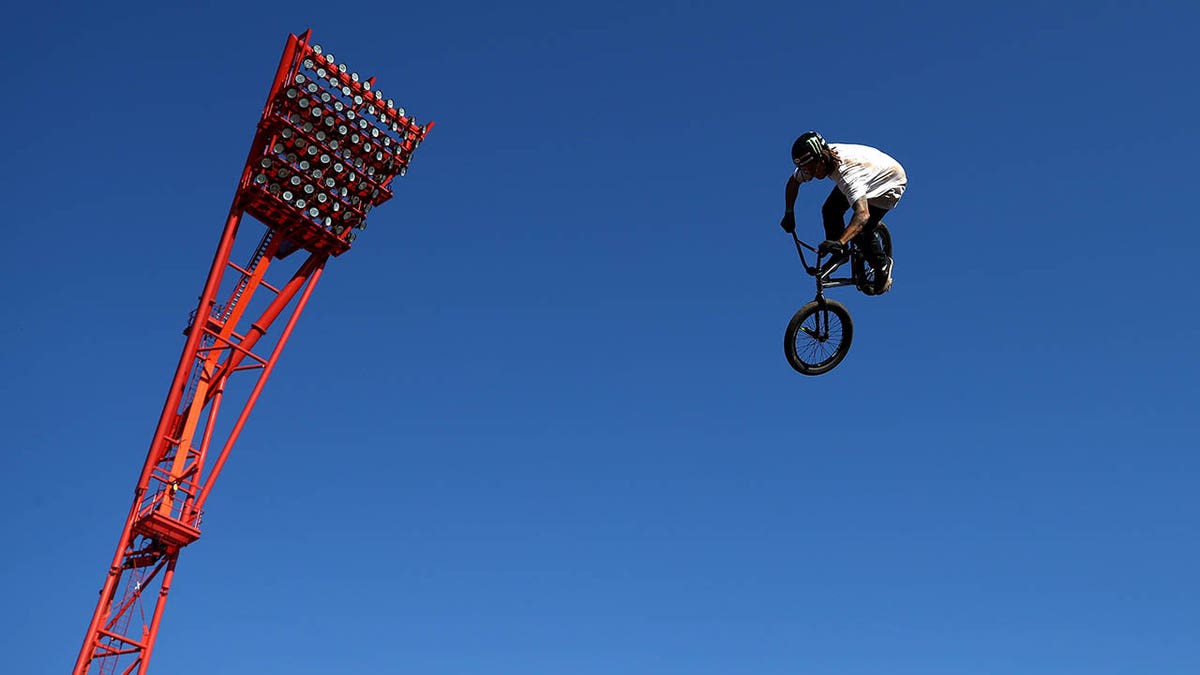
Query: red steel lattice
{"x": 326, "y": 151}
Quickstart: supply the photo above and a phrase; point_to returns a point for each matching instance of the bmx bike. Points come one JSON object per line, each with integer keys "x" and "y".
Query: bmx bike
{"x": 819, "y": 334}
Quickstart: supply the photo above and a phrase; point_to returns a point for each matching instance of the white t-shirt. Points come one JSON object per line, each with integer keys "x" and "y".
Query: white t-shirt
{"x": 865, "y": 172}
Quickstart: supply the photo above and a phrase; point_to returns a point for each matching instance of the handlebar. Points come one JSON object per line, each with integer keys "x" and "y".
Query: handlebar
{"x": 803, "y": 261}
{"x": 814, "y": 271}
{"x": 800, "y": 246}
{"x": 801, "y": 243}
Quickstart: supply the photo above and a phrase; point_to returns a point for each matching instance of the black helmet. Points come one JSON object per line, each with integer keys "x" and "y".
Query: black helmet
{"x": 809, "y": 147}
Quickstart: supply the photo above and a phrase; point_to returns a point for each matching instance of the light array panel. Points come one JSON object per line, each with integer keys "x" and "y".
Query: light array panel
{"x": 327, "y": 150}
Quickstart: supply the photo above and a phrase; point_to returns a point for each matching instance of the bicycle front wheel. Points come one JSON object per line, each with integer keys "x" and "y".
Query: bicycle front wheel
{"x": 818, "y": 337}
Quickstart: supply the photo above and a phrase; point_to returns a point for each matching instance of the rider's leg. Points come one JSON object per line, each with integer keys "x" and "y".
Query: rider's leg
{"x": 868, "y": 243}
{"x": 873, "y": 251}
{"x": 833, "y": 213}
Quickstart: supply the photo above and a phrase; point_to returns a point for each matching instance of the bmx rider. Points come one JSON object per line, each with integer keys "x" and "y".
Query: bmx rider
{"x": 867, "y": 179}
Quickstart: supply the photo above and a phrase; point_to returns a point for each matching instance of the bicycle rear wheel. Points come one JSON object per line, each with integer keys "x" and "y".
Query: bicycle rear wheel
{"x": 862, "y": 270}
{"x": 818, "y": 337}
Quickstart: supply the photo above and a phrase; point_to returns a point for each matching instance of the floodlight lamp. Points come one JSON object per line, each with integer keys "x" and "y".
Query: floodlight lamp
{"x": 335, "y": 145}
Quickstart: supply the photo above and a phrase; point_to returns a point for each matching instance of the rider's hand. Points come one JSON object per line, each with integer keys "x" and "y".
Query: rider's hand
{"x": 788, "y": 223}
{"x": 831, "y": 247}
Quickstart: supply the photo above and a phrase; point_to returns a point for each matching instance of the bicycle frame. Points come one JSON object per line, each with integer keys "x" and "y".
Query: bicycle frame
{"x": 823, "y": 273}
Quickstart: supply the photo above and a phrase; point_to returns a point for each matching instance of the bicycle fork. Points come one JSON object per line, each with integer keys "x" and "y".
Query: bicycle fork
{"x": 820, "y": 329}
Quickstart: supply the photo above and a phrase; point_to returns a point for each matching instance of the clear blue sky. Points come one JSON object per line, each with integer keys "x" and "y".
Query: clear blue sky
{"x": 539, "y": 420}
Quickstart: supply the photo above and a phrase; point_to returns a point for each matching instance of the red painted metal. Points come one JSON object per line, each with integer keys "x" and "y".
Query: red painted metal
{"x": 326, "y": 151}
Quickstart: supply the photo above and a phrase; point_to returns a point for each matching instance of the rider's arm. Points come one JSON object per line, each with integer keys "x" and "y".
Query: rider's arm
{"x": 790, "y": 192}
{"x": 858, "y": 221}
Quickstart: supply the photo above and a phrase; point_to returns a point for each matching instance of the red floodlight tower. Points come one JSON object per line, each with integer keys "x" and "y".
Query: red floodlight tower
{"x": 325, "y": 153}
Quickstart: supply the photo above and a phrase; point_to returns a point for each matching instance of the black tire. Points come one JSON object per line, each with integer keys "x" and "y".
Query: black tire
{"x": 818, "y": 337}
{"x": 886, "y": 235}
{"x": 862, "y": 270}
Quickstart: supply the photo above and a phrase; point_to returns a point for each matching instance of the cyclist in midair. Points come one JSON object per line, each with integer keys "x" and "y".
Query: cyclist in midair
{"x": 867, "y": 179}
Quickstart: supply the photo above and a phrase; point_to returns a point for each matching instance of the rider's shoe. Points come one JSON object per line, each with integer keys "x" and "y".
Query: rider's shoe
{"x": 883, "y": 277}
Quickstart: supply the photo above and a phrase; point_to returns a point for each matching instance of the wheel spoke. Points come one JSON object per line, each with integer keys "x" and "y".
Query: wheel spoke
{"x": 814, "y": 350}
{"x": 818, "y": 337}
